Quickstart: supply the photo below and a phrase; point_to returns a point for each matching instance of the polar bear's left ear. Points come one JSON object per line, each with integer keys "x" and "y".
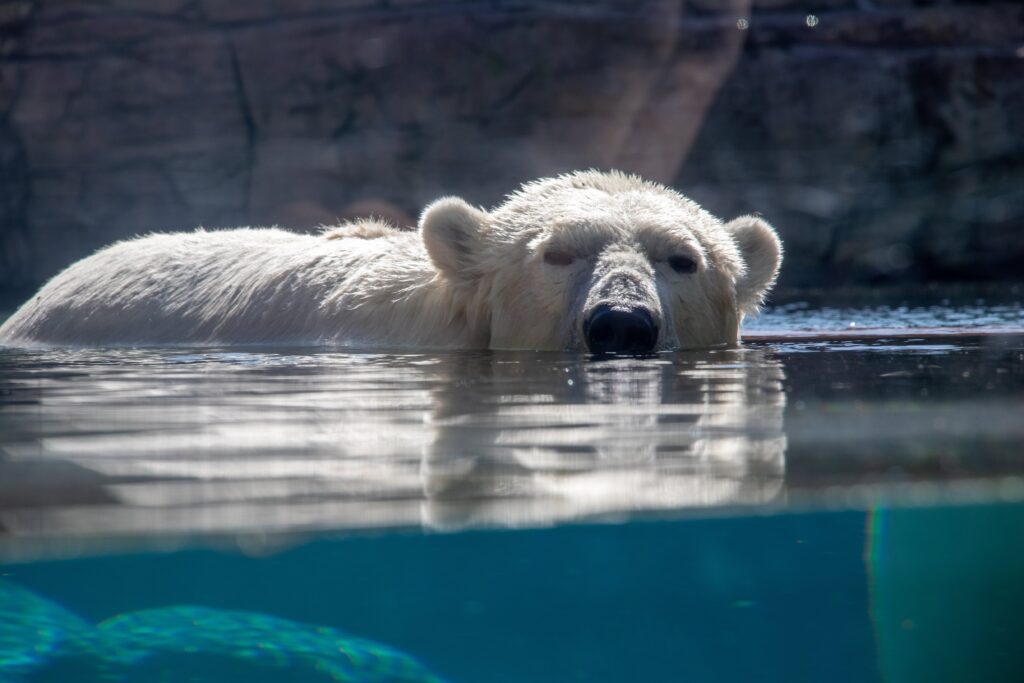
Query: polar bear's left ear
{"x": 761, "y": 250}
{"x": 452, "y": 232}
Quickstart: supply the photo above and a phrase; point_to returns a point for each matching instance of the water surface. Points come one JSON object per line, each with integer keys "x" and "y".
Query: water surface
{"x": 110, "y": 443}
{"x": 830, "y": 502}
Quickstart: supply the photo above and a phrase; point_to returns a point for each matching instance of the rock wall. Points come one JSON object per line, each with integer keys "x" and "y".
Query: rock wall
{"x": 886, "y": 140}
{"x": 883, "y": 138}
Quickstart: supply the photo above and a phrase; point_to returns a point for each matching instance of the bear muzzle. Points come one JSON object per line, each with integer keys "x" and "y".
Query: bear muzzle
{"x": 620, "y": 329}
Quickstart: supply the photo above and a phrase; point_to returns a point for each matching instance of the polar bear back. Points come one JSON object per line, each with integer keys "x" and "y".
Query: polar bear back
{"x": 247, "y": 285}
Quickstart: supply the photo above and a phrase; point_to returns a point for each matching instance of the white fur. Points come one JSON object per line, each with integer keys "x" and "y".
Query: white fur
{"x": 761, "y": 251}
{"x": 466, "y": 279}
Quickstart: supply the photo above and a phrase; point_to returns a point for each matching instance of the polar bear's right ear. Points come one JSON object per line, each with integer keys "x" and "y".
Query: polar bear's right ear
{"x": 761, "y": 250}
{"x": 452, "y": 232}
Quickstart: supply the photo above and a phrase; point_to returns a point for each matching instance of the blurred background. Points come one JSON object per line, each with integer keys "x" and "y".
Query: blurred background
{"x": 883, "y": 138}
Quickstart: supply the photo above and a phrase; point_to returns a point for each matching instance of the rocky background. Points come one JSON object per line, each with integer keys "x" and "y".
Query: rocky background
{"x": 884, "y": 138}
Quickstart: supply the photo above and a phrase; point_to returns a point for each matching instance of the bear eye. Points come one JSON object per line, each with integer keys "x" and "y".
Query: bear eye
{"x": 682, "y": 264}
{"x": 558, "y": 258}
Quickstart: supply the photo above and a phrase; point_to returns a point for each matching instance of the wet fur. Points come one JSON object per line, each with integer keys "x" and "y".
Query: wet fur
{"x": 465, "y": 279}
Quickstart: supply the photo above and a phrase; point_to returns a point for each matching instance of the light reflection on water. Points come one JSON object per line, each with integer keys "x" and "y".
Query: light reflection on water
{"x": 190, "y": 441}
{"x": 803, "y": 316}
{"x": 125, "y": 441}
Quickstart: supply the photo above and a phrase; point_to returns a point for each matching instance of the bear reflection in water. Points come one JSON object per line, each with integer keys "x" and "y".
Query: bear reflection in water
{"x": 266, "y": 444}
{"x": 607, "y": 438}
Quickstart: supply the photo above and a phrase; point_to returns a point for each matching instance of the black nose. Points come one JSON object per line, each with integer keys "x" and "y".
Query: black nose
{"x": 620, "y": 330}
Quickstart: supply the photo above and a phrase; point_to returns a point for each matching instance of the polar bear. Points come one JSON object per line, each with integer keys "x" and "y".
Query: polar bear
{"x": 589, "y": 261}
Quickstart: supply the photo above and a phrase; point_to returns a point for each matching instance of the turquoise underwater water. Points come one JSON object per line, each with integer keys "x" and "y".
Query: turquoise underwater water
{"x": 887, "y": 594}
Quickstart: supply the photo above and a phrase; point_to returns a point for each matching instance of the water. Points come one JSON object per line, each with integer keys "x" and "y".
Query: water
{"x": 801, "y": 316}
{"x": 831, "y": 502}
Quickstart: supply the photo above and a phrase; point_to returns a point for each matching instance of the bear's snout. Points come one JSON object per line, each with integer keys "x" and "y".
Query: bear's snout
{"x": 620, "y": 330}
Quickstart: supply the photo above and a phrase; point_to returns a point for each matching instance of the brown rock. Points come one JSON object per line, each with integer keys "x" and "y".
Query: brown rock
{"x": 884, "y": 140}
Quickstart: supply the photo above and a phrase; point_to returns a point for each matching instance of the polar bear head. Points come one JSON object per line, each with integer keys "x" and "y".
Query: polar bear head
{"x": 601, "y": 262}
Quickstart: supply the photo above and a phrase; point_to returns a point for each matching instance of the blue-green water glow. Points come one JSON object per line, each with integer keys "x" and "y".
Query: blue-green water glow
{"x": 837, "y": 596}
{"x": 40, "y": 640}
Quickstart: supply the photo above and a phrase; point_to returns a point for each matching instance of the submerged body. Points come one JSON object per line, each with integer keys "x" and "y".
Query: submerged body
{"x": 587, "y": 261}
